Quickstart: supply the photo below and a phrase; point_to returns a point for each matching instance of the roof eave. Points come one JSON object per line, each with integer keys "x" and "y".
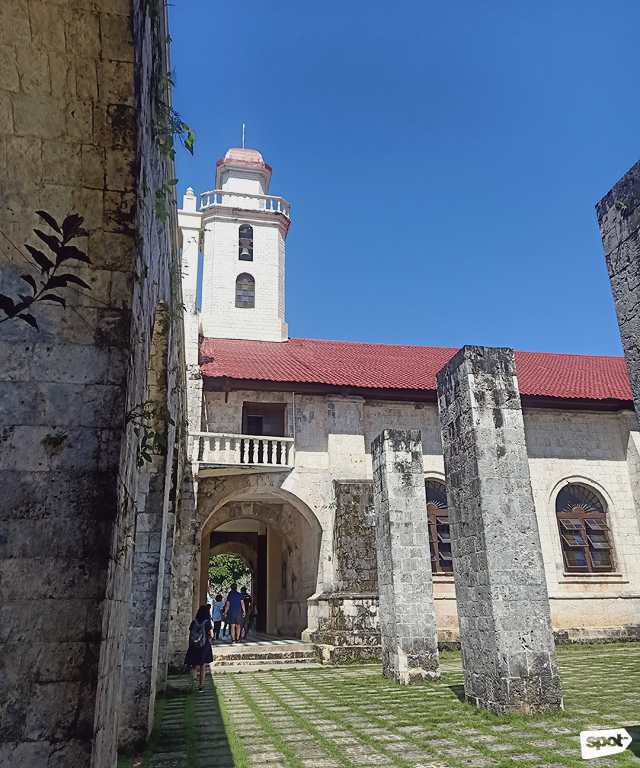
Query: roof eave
{"x": 227, "y": 384}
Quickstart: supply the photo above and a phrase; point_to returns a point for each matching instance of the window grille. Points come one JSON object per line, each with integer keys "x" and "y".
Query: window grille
{"x": 439, "y": 532}
{"x": 584, "y": 533}
{"x": 245, "y": 291}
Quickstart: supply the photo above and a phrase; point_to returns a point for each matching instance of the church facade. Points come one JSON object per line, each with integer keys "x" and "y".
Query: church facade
{"x": 281, "y": 431}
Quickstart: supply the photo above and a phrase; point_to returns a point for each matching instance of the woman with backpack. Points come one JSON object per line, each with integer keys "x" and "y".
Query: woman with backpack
{"x": 199, "y": 653}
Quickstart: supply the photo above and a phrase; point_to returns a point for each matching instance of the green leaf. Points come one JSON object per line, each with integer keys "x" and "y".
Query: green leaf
{"x": 160, "y": 439}
{"x": 191, "y": 137}
{"x": 172, "y": 182}
{"x": 50, "y": 221}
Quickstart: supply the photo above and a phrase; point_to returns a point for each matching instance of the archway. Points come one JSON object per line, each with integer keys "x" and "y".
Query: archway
{"x": 270, "y": 530}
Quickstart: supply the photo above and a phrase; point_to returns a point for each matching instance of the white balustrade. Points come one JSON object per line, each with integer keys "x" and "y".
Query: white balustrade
{"x": 224, "y": 448}
{"x": 244, "y": 201}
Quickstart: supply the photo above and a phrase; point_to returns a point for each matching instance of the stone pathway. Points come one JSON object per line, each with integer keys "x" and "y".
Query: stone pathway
{"x": 351, "y": 717}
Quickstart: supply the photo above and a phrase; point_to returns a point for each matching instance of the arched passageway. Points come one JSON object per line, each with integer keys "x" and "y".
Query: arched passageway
{"x": 281, "y": 546}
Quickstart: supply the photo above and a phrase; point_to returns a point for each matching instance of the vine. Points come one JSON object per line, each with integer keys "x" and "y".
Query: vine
{"x": 144, "y": 417}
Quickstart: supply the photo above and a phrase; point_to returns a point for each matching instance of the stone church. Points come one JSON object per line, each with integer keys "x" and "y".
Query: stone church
{"x": 281, "y": 431}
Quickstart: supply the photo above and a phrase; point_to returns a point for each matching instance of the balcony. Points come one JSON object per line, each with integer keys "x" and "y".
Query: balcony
{"x": 247, "y": 202}
{"x": 219, "y": 453}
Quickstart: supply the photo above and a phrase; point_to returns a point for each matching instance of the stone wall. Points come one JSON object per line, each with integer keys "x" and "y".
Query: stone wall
{"x": 354, "y": 538}
{"x": 77, "y": 111}
{"x": 619, "y": 219}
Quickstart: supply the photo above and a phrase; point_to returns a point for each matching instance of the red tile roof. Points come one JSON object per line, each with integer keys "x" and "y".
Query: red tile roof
{"x": 391, "y": 366}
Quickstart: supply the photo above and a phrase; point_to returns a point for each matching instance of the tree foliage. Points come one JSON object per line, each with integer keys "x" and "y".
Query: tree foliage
{"x": 227, "y": 569}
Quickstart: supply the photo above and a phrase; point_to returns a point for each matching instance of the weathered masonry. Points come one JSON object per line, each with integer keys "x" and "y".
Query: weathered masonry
{"x": 405, "y": 588}
{"x": 508, "y": 653}
{"x": 92, "y": 447}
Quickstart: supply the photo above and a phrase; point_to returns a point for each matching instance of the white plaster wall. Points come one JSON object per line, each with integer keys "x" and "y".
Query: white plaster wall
{"x": 332, "y": 441}
{"x": 247, "y": 182}
{"x": 220, "y": 317}
{"x": 587, "y": 448}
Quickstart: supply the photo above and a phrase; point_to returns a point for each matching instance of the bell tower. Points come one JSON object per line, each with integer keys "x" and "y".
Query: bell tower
{"x": 245, "y": 230}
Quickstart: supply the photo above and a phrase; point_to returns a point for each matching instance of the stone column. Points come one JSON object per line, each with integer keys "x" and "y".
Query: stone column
{"x": 407, "y": 613}
{"x": 508, "y": 652}
{"x": 147, "y": 589}
{"x": 619, "y": 219}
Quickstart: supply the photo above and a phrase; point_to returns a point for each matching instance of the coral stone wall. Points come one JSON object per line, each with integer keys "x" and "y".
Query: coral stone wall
{"x": 78, "y": 98}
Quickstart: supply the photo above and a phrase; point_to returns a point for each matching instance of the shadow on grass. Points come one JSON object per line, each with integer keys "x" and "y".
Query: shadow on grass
{"x": 458, "y": 691}
{"x": 634, "y": 732}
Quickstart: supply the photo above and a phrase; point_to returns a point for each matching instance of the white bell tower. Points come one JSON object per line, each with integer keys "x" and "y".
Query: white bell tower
{"x": 245, "y": 230}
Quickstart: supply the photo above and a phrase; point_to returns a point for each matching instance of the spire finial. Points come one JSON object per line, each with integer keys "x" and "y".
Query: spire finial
{"x": 242, "y": 135}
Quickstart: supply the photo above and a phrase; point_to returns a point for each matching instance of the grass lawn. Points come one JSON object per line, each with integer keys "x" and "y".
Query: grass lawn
{"x": 352, "y": 717}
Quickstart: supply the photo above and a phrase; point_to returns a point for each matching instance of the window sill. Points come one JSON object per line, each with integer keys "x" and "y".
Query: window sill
{"x": 594, "y": 578}
{"x": 442, "y": 578}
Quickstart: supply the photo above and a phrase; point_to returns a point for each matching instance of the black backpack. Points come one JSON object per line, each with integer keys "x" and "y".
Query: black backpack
{"x": 198, "y": 634}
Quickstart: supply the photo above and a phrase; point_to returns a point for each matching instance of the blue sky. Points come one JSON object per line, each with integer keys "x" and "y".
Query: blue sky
{"x": 442, "y": 160}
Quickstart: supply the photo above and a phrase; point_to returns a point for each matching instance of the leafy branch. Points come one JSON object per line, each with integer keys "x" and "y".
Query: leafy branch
{"x": 168, "y": 126}
{"x": 144, "y": 418}
{"x": 50, "y": 279}
{"x": 164, "y": 199}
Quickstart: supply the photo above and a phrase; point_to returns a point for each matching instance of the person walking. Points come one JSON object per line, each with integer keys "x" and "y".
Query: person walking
{"x": 199, "y": 653}
{"x": 218, "y": 607}
{"x": 235, "y": 610}
{"x": 247, "y": 612}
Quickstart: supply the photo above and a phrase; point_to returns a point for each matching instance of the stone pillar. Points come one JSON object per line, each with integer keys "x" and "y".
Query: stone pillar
{"x": 147, "y": 590}
{"x": 619, "y": 219}
{"x": 508, "y": 652}
{"x": 185, "y": 569}
{"x": 407, "y": 614}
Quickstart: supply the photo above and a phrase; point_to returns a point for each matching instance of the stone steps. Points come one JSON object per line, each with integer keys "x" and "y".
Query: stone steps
{"x": 255, "y": 656}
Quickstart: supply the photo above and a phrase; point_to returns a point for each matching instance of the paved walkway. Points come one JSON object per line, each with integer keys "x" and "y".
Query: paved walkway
{"x": 351, "y": 717}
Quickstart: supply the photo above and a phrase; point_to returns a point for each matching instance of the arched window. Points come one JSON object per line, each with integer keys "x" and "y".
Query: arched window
{"x": 439, "y": 535}
{"x": 584, "y": 533}
{"x": 245, "y": 291}
{"x": 245, "y": 243}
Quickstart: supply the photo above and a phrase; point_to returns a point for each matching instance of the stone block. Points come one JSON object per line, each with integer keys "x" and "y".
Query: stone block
{"x": 92, "y": 166}
{"x": 15, "y": 29}
{"x": 9, "y": 68}
{"x": 116, "y": 38}
{"x": 79, "y": 120}
{"x": 115, "y": 82}
{"x": 61, "y": 163}
{"x": 62, "y": 69}
{"x": 42, "y": 116}
{"x": 33, "y": 65}
{"x": 507, "y": 644}
{"x": 407, "y": 614}
{"x": 82, "y": 32}
{"x": 47, "y": 26}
